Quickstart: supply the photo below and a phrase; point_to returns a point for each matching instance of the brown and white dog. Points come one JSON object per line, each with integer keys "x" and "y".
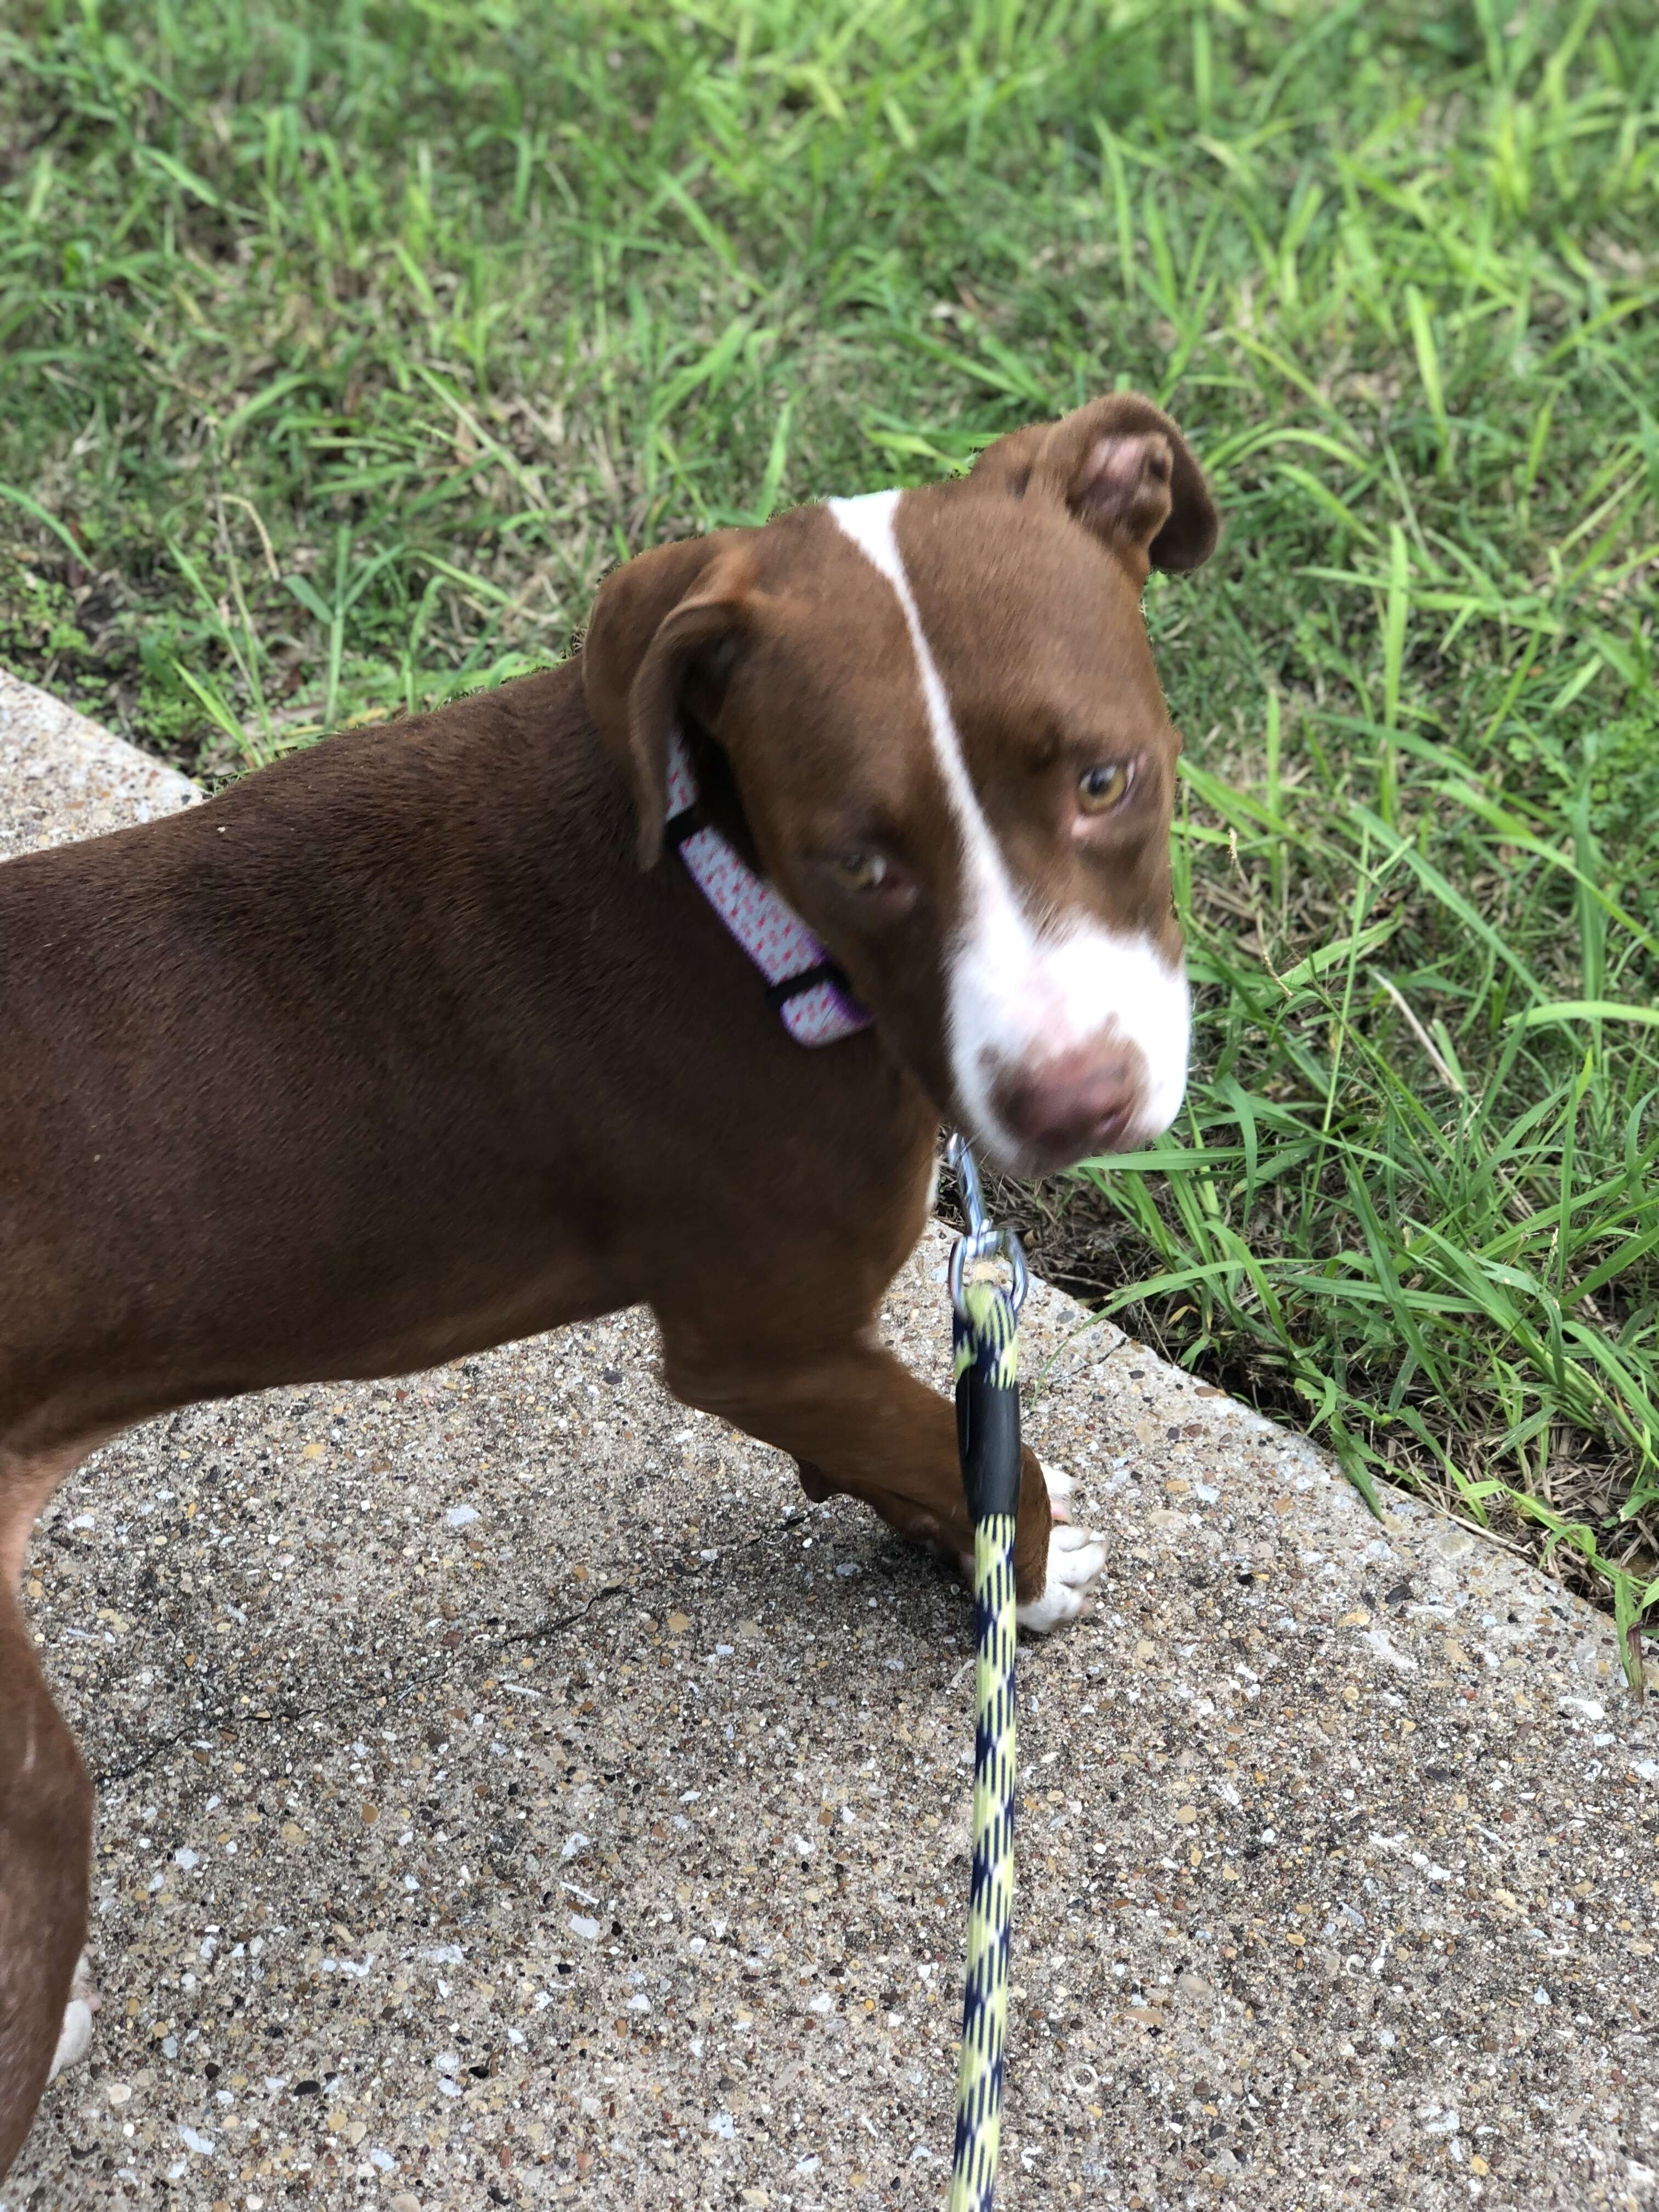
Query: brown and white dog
{"x": 416, "y": 1043}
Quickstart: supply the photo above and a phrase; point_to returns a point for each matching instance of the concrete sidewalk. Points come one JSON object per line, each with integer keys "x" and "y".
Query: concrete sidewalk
{"x": 512, "y": 1792}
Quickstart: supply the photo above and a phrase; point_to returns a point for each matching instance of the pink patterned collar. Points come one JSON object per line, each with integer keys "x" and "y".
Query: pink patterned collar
{"x": 804, "y": 985}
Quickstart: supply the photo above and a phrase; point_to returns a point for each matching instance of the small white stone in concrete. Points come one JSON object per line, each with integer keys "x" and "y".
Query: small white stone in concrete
{"x": 1389, "y": 1652}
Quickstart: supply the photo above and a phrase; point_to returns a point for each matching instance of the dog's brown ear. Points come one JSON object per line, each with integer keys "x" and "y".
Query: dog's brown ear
{"x": 665, "y": 619}
{"x": 1124, "y": 471}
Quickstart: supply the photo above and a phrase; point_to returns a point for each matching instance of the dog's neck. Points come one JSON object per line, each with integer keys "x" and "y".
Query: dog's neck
{"x": 806, "y": 989}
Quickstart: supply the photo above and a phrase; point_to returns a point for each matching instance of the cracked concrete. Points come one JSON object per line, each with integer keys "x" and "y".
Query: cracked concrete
{"x": 511, "y": 1791}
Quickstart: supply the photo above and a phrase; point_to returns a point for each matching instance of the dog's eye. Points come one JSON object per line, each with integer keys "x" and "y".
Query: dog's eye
{"x": 1104, "y": 786}
{"x": 859, "y": 871}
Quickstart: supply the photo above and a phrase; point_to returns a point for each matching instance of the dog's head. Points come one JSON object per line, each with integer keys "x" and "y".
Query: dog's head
{"x": 931, "y": 718}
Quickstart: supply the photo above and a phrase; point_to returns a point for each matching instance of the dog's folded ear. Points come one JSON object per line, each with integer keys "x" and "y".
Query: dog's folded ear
{"x": 664, "y": 627}
{"x": 1124, "y": 471}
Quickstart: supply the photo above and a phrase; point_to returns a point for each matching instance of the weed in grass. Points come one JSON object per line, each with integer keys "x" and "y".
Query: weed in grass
{"x": 344, "y": 349}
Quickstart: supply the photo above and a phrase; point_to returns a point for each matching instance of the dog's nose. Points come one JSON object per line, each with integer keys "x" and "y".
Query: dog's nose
{"x": 1080, "y": 1102}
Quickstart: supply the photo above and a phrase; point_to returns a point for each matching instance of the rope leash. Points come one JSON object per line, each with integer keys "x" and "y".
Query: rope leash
{"x": 985, "y": 1319}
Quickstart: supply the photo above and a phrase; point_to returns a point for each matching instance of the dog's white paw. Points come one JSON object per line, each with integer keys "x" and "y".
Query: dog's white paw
{"x": 1060, "y": 1486}
{"x": 1075, "y": 1560}
{"x": 75, "y": 2036}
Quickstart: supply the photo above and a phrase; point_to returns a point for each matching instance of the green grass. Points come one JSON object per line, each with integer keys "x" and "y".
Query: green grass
{"x": 344, "y": 348}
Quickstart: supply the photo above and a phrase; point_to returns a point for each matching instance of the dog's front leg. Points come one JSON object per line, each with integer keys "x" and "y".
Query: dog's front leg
{"x": 859, "y": 1424}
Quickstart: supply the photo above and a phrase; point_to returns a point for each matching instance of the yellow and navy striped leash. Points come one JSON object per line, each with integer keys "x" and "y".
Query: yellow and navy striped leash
{"x": 985, "y": 1323}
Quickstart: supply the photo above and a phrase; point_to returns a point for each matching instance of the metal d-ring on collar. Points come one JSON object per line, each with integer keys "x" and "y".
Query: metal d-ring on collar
{"x": 981, "y": 1242}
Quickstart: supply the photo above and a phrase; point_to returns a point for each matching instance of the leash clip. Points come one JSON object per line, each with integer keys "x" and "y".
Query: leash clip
{"x": 980, "y": 1244}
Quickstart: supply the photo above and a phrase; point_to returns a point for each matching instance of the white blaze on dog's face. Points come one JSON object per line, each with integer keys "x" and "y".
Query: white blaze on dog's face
{"x": 1066, "y": 1031}
{"x": 932, "y": 718}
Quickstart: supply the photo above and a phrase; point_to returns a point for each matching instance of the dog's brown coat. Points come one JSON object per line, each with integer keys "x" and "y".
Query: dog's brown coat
{"x": 392, "y": 1052}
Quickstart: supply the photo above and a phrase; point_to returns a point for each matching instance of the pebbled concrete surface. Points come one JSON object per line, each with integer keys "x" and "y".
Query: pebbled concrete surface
{"x": 512, "y": 1792}
{"x": 63, "y": 777}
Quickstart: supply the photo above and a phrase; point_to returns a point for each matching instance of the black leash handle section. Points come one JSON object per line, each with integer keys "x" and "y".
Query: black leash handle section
{"x": 988, "y": 1425}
